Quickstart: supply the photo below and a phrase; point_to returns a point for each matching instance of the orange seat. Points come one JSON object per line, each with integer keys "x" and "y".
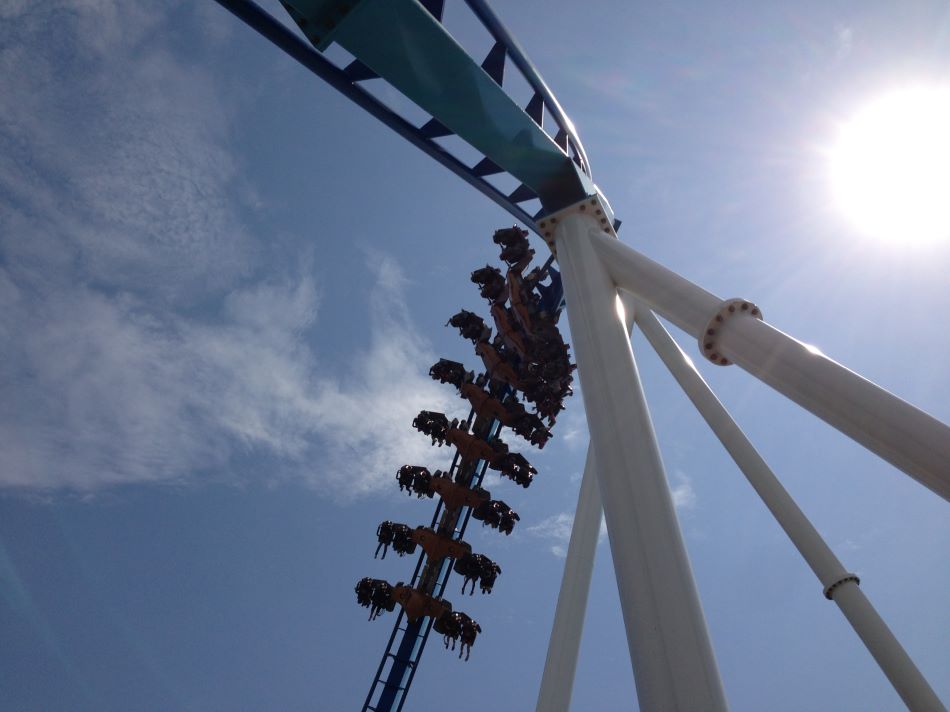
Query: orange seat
{"x": 438, "y": 546}
{"x": 417, "y": 604}
{"x": 453, "y": 494}
{"x": 484, "y": 404}
{"x": 469, "y": 446}
{"x": 508, "y": 331}
{"x": 518, "y": 305}
{"x": 496, "y": 366}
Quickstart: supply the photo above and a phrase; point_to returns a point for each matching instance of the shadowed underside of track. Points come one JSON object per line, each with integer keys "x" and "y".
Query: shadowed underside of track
{"x": 405, "y": 44}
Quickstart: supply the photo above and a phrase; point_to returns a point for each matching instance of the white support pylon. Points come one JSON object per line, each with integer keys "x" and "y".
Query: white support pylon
{"x": 905, "y": 436}
{"x": 839, "y": 585}
{"x": 673, "y": 663}
{"x": 560, "y": 664}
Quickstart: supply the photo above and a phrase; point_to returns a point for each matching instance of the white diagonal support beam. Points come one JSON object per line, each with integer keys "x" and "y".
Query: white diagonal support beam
{"x": 905, "y": 436}
{"x": 560, "y": 665}
{"x": 672, "y": 657}
{"x": 839, "y": 585}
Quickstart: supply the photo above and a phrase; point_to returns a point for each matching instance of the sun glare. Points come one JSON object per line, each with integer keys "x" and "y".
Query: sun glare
{"x": 891, "y": 167}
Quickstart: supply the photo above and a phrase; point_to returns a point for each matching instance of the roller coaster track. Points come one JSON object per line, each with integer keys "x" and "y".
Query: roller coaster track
{"x": 514, "y": 140}
{"x": 405, "y": 44}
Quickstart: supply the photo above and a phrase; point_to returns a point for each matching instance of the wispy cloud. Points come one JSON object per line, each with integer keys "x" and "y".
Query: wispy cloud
{"x": 556, "y": 531}
{"x": 573, "y": 428}
{"x": 684, "y": 496}
{"x": 143, "y": 337}
{"x": 114, "y": 155}
{"x": 366, "y": 415}
{"x": 105, "y": 389}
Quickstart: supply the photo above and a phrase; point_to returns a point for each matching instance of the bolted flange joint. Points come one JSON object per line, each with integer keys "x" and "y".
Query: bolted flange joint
{"x": 709, "y": 339}
{"x": 595, "y": 206}
{"x": 829, "y": 590}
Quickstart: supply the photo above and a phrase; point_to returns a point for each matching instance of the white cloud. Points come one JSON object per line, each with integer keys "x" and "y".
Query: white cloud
{"x": 366, "y": 416}
{"x": 103, "y": 390}
{"x": 492, "y": 480}
{"x": 556, "y": 530}
{"x": 573, "y": 427}
{"x": 139, "y": 344}
{"x": 113, "y": 154}
{"x": 684, "y": 496}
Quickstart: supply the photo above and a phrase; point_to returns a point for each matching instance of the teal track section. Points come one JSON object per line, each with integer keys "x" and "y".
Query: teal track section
{"x": 401, "y": 41}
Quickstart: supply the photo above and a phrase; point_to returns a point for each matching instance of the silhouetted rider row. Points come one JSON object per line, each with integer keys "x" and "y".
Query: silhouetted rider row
{"x": 415, "y": 479}
{"x": 375, "y": 594}
{"x": 378, "y": 596}
{"x": 399, "y": 536}
{"x": 526, "y": 354}
{"x": 493, "y": 451}
{"x": 455, "y": 625}
{"x": 477, "y": 567}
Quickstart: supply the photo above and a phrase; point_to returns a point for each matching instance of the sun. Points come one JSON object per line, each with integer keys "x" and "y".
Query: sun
{"x": 890, "y": 169}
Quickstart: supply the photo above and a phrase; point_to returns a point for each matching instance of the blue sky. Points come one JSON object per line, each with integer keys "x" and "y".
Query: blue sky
{"x": 221, "y": 286}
